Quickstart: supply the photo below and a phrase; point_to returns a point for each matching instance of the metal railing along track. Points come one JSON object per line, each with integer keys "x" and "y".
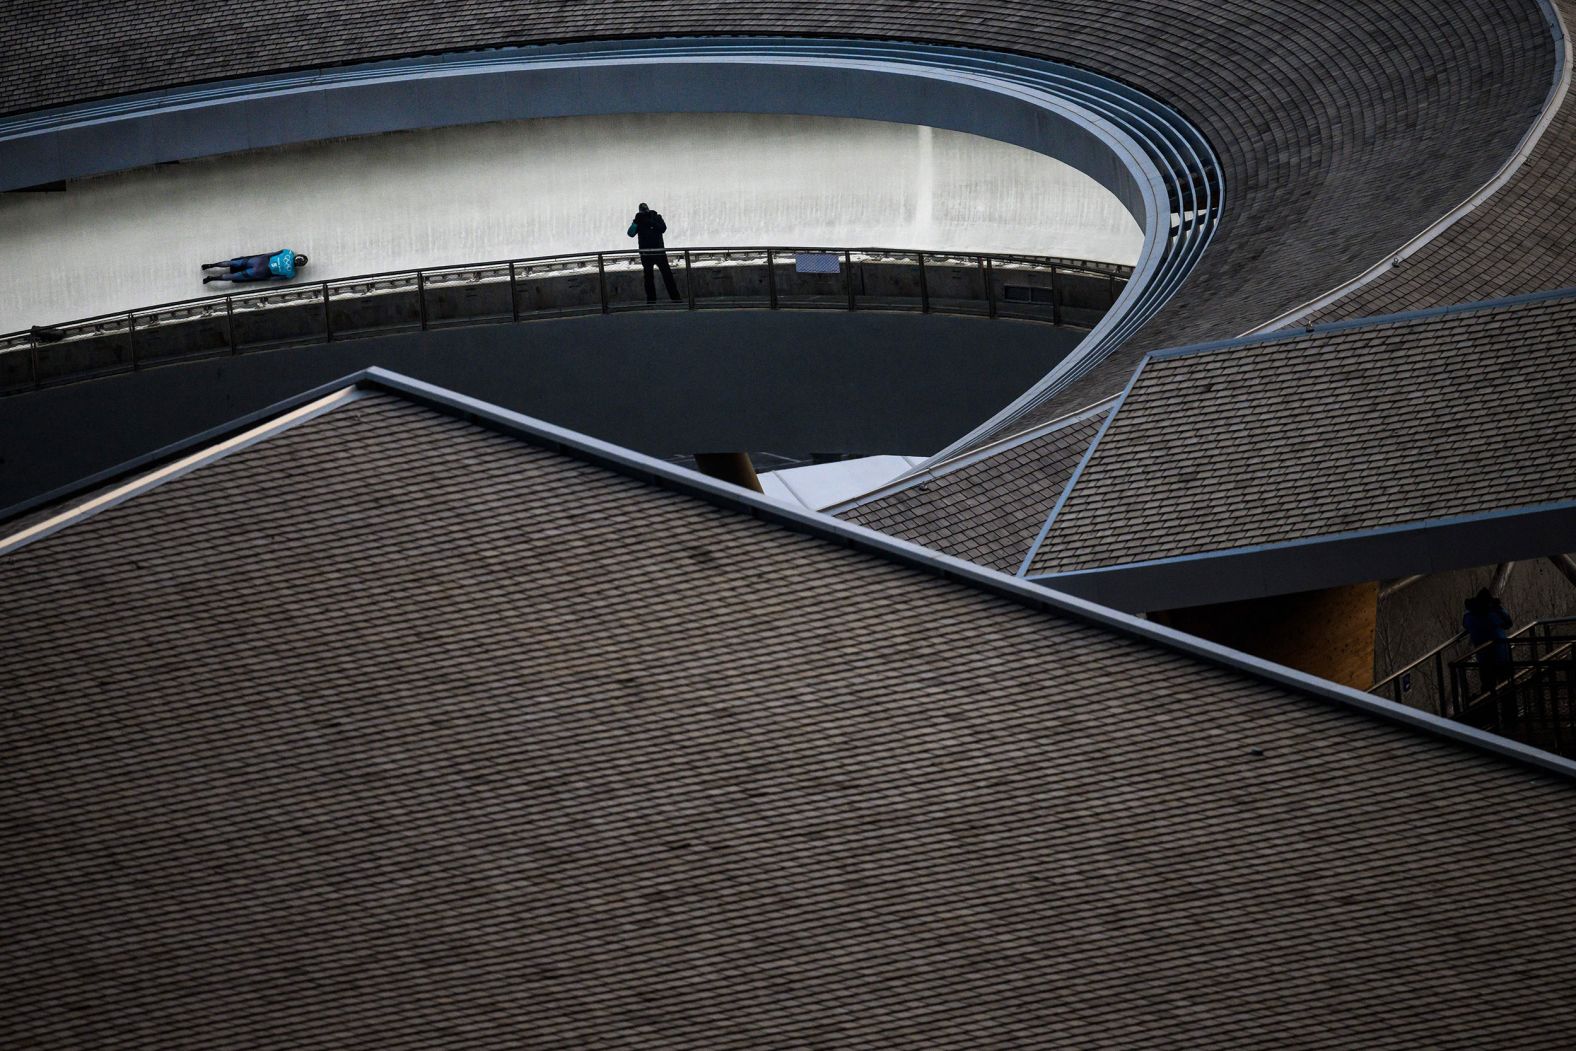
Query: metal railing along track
{"x": 300, "y": 313}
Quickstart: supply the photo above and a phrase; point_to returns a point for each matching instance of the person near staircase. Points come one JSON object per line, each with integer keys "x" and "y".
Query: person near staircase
{"x": 1486, "y": 623}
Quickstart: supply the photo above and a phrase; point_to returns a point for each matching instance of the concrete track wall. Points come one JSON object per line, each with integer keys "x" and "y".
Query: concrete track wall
{"x": 544, "y": 187}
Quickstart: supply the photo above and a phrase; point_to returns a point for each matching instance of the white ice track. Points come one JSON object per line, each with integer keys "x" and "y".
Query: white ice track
{"x": 543, "y": 187}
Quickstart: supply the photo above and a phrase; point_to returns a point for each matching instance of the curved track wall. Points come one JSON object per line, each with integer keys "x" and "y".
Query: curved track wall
{"x": 1340, "y": 136}
{"x": 1345, "y": 134}
{"x": 547, "y": 187}
{"x": 1154, "y": 162}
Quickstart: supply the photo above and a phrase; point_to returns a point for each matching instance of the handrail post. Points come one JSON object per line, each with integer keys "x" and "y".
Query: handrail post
{"x": 924, "y": 285}
{"x": 771, "y": 278}
{"x": 848, "y": 269}
{"x": 131, "y": 336}
{"x": 689, "y": 280}
{"x": 601, "y": 278}
{"x": 1056, "y": 298}
{"x": 229, "y": 323}
{"x": 328, "y": 322}
{"x": 1551, "y": 708}
{"x": 32, "y": 360}
{"x": 990, "y": 284}
{"x": 514, "y": 293}
{"x": 421, "y": 297}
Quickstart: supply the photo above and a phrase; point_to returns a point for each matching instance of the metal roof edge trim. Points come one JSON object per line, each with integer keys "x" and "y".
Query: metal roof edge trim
{"x": 1326, "y": 538}
{"x": 205, "y": 453}
{"x": 1299, "y": 546}
{"x": 1083, "y": 462}
{"x": 985, "y": 452}
{"x": 1374, "y": 321}
{"x": 1019, "y": 591}
{"x": 1553, "y": 102}
{"x": 172, "y": 450}
{"x": 1016, "y": 589}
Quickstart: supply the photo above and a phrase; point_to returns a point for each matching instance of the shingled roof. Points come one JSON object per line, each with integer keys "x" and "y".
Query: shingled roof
{"x": 986, "y": 507}
{"x": 1522, "y": 239}
{"x": 401, "y": 720}
{"x": 1349, "y": 428}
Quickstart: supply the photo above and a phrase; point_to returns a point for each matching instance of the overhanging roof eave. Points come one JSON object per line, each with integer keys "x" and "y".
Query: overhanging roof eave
{"x": 1019, "y": 591}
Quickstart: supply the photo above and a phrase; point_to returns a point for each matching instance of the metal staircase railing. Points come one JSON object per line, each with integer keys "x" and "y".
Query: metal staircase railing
{"x": 1531, "y": 697}
{"x": 1426, "y": 675}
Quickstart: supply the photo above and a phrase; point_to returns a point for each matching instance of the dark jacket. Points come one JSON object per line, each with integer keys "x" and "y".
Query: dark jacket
{"x": 649, "y": 227}
{"x": 1486, "y": 622}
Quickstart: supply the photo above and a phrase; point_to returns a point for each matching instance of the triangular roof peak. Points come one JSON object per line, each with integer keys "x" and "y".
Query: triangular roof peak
{"x": 148, "y": 473}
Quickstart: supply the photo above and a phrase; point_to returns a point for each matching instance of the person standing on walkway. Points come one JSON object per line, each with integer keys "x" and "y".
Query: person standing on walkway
{"x": 649, "y": 227}
{"x": 270, "y": 266}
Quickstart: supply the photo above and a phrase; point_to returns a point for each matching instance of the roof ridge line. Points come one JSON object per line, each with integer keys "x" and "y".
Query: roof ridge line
{"x": 652, "y": 471}
{"x": 1322, "y": 538}
{"x": 902, "y": 552}
{"x": 205, "y": 454}
{"x": 180, "y": 447}
{"x": 1083, "y": 462}
{"x": 971, "y": 457}
{"x": 1374, "y": 321}
{"x": 1554, "y": 101}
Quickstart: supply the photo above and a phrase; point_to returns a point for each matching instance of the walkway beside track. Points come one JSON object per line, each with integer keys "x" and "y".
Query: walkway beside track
{"x": 1025, "y": 288}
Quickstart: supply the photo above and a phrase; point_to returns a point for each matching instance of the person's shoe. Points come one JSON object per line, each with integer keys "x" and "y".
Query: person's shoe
{"x": 209, "y": 278}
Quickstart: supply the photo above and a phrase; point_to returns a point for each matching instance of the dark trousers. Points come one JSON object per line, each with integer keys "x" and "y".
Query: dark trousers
{"x": 659, "y": 260}
{"x": 247, "y": 268}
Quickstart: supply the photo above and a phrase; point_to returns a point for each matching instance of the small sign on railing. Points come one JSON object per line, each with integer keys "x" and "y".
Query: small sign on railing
{"x": 817, "y": 263}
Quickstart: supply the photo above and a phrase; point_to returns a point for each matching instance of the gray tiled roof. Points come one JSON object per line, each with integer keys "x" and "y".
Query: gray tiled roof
{"x": 989, "y": 509}
{"x": 393, "y": 731}
{"x": 1340, "y": 136}
{"x": 1361, "y": 427}
{"x": 1523, "y": 239}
